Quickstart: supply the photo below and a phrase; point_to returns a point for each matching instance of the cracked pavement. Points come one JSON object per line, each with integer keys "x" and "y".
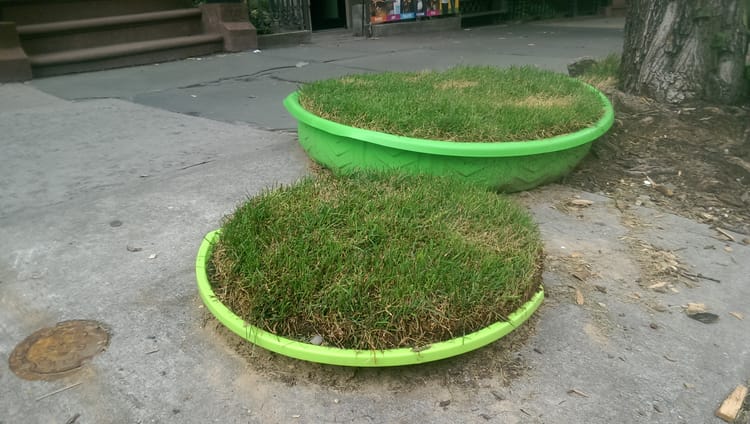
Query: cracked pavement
{"x": 167, "y": 150}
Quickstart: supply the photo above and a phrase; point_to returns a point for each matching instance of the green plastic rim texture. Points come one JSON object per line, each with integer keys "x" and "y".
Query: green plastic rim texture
{"x": 350, "y": 357}
{"x": 504, "y": 166}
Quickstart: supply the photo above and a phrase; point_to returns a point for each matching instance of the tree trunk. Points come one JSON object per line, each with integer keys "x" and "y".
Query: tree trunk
{"x": 679, "y": 50}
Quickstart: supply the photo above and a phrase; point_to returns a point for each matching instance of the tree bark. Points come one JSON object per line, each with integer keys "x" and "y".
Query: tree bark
{"x": 680, "y": 50}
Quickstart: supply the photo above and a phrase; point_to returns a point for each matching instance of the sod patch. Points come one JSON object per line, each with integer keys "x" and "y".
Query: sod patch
{"x": 373, "y": 261}
{"x": 465, "y": 104}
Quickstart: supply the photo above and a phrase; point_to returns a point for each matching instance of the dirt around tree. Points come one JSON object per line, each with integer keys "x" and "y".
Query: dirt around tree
{"x": 691, "y": 160}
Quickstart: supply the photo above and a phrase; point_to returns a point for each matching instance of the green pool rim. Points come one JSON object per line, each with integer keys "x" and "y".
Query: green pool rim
{"x": 461, "y": 149}
{"x": 350, "y": 357}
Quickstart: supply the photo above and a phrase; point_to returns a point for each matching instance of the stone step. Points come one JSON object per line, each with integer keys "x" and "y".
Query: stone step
{"x": 615, "y": 12}
{"x": 94, "y": 32}
{"x": 26, "y": 12}
{"x": 124, "y": 54}
{"x": 618, "y": 8}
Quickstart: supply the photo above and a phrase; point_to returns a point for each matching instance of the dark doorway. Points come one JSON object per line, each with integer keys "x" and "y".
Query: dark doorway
{"x": 326, "y": 14}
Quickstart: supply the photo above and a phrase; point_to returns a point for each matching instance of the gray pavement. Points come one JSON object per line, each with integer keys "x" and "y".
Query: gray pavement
{"x": 249, "y": 87}
{"x": 169, "y": 149}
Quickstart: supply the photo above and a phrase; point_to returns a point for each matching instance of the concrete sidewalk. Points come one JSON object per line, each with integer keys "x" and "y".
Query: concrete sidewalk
{"x": 249, "y": 87}
{"x": 153, "y": 157}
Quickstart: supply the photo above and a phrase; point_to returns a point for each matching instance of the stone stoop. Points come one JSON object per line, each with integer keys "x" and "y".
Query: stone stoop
{"x": 14, "y": 64}
{"x": 89, "y": 35}
{"x": 618, "y": 8}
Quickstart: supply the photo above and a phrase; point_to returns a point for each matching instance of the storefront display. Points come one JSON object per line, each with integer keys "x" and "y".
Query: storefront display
{"x": 385, "y": 11}
{"x": 398, "y": 10}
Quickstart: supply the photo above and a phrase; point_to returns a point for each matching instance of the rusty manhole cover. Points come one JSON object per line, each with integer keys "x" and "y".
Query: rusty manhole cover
{"x": 57, "y": 351}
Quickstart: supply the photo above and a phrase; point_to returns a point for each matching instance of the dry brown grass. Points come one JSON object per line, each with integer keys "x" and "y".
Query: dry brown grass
{"x": 456, "y": 84}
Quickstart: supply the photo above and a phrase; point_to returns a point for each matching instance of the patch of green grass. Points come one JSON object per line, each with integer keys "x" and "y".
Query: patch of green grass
{"x": 375, "y": 261}
{"x": 605, "y": 73}
{"x": 467, "y": 104}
